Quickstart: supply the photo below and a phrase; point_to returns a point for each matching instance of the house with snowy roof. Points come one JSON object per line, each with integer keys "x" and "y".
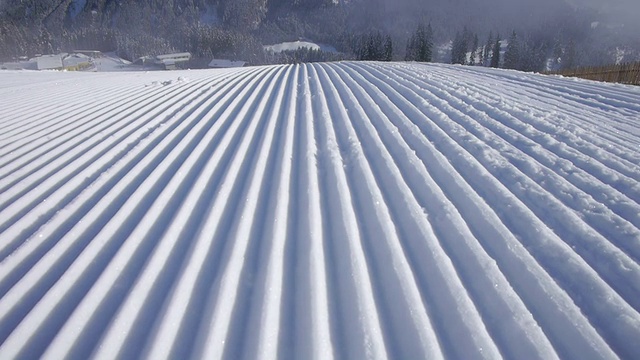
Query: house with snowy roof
{"x": 49, "y": 62}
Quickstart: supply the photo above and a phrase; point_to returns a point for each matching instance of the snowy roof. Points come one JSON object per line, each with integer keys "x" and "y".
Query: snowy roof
{"x": 76, "y": 55}
{"x": 46, "y": 62}
{"x": 340, "y": 210}
{"x": 173, "y": 56}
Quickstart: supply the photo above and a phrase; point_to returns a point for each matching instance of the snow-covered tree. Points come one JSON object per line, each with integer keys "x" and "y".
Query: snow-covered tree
{"x": 474, "y": 49}
{"x": 388, "y": 49}
{"x": 495, "y": 54}
{"x": 420, "y": 45}
{"x": 512, "y": 55}
{"x": 486, "y": 57}
{"x": 569, "y": 60}
{"x": 458, "y": 49}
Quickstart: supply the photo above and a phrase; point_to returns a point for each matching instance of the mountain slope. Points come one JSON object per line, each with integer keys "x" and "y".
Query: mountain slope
{"x": 347, "y": 210}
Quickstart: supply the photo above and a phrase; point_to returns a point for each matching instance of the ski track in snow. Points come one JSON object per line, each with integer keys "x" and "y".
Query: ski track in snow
{"x": 343, "y": 210}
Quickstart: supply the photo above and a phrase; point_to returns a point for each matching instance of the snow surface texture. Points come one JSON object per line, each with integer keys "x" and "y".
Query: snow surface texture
{"x": 346, "y": 210}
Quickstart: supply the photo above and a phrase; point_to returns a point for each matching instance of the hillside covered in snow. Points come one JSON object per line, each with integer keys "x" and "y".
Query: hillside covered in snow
{"x": 344, "y": 210}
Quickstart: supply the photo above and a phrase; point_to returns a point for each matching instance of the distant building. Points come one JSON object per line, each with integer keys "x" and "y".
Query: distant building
{"x": 90, "y": 53}
{"x": 222, "y": 63}
{"x": 12, "y": 66}
{"x": 50, "y": 62}
{"x": 76, "y": 62}
{"x": 143, "y": 60}
{"x": 169, "y": 61}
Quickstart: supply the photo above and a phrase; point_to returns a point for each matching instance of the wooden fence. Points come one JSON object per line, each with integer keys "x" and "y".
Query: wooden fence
{"x": 628, "y": 73}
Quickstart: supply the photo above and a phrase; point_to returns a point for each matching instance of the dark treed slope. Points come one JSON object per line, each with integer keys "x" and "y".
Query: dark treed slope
{"x": 238, "y": 28}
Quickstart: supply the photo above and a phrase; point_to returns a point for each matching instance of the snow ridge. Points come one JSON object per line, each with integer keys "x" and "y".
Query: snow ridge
{"x": 347, "y": 210}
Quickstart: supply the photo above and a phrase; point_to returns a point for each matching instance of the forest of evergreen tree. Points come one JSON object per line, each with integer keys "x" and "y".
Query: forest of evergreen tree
{"x": 357, "y": 29}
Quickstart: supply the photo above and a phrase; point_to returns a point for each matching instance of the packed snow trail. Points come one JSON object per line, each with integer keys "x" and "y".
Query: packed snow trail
{"x": 342, "y": 210}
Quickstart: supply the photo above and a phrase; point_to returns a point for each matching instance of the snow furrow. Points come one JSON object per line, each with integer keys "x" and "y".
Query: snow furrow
{"x": 99, "y": 128}
{"x": 588, "y": 244}
{"x": 308, "y": 295}
{"x": 580, "y": 91}
{"x": 506, "y": 204}
{"x": 474, "y": 265}
{"x": 266, "y": 305}
{"x": 28, "y": 98}
{"x": 56, "y": 190}
{"x": 535, "y": 126}
{"x": 354, "y": 308}
{"x": 339, "y": 210}
{"x": 113, "y": 227}
{"x": 608, "y": 139}
{"x": 58, "y": 226}
{"x": 214, "y": 340}
{"x": 497, "y": 166}
{"x": 620, "y": 128}
{"x": 50, "y": 118}
{"x": 376, "y": 216}
{"x": 543, "y": 226}
{"x": 578, "y": 190}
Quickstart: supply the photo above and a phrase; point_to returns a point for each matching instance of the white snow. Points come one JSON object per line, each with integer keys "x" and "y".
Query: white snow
{"x": 110, "y": 62}
{"x": 295, "y": 45}
{"x": 347, "y": 210}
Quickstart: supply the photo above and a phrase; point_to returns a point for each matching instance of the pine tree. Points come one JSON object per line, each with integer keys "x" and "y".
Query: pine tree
{"x": 372, "y": 47}
{"x": 460, "y": 46}
{"x": 412, "y": 46}
{"x": 428, "y": 44}
{"x": 425, "y": 43}
{"x": 488, "y": 50}
{"x": 474, "y": 48}
{"x": 378, "y": 47}
{"x": 420, "y": 45}
{"x": 569, "y": 56}
{"x": 388, "y": 49}
{"x": 557, "y": 53}
{"x": 495, "y": 55}
{"x": 457, "y": 50}
{"x": 467, "y": 41}
{"x": 512, "y": 55}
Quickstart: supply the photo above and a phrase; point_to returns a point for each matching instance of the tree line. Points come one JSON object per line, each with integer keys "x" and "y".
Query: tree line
{"x": 525, "y": 53}
{"x": 149, "y": 27}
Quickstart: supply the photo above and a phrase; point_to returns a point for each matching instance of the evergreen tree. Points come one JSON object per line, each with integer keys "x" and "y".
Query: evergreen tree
{"x": 557, "y": 53}
{"x": 420, "y": 45}
{"x": 388, "y": 49}
{"x": 467, "y": 42}
{"x": 371, "y": 47}
{"x": 412, "y": 47}
{"x": 533, "y": 55}
{"x": 569, "y": 56}
{"x": 425, "y": 43}
{"x": 495, "y": 55}
{"x": 474, "y": 49}
{"x": 458, "y": 51}
{"x": 460, "y": 46}
{"x": 512, "y": 55}
{"x": 488, "y": 50}
{"x": 377, "y": 47}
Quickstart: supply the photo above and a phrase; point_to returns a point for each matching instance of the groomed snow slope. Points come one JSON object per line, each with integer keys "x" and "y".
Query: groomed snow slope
{"x": 347, "y": 210}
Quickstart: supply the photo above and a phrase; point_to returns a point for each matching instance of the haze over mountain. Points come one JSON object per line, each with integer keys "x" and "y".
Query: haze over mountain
{"x": 602, "y": 31}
